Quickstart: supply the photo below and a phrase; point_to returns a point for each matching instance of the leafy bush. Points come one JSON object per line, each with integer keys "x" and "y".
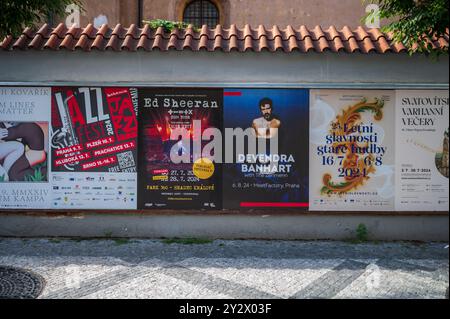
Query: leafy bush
{"x": 362, "y": 234}
{"x": 18, "y": 14}
{"x": 413, "y": 22}
{"x": 167, "y": 25}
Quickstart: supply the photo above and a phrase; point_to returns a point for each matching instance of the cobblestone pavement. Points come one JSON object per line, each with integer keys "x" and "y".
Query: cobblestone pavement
{"x": 231, "y": 269}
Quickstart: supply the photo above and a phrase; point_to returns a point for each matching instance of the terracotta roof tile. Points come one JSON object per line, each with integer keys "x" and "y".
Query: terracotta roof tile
{"x": 247, "y": 39}
{"x": 218, "y": 32}
{"x": 320, "y": 40}
{"x": 262, "y": 32}
{"x": 190, "y": 31}
{"x": 144, "y": 42}
{"x": 28, "y": 32}
{"x": 133, "y": 32}
{"x": 83, "y": 43}
{"x": 89, "y": 31}
{"x": 289, "y": 33}
{"x": 204, "y": 43}
{"x": 53, "y": 42}
{"x": 443, "y": 42}
{"x": 69, "y": 40}
{"x": 118, "y": 31}
{"x": 159, "y": 43}
{"x": 334, "y": 39}
{"x": 347, "y": 34}
{"x": 294, "y": 45}
{"x": 101, "y": 38}
{"x": 332, "y": 33}
{"x": 21, "y": 42}
{"x": 5, "y": 45}
{"x": 376, "y": 34}
{"x": 60, "y": 31}
{"x": 44, "y": 31}
{"x": 303, "y": 33}
{"x": 250, "y": 33}
{"x": 130, "y": 44}
{"x": 275, "y": 32}
{"x": 37, "y": 42}
{"x": 218, "y": 43}
{"x": 145, "y": 32}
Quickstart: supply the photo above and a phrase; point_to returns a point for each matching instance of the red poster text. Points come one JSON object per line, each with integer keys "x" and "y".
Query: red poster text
{"x": 68, "y": 150}
{"x": 100, "y": 142}
{"x": 107, "y": 161}
{"x": 72, "y": 159}
{"x": 115, "y": 149}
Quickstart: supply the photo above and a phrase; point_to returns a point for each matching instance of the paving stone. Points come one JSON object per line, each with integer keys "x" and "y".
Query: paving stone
{"x": 231, "y": 269}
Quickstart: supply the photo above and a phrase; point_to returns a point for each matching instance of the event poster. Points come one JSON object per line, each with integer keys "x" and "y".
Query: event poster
{"x": 94, "y": 147}
{"x": 24, "y": 147}
{"x": 180, "y": 148}
{"x": 352, "y": 163}
{"x": 422, "y": 124}
{"x": 266, "y": 148}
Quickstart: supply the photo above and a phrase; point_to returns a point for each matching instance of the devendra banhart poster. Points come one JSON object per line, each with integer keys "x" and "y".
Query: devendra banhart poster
{"x": 266, "y": 148}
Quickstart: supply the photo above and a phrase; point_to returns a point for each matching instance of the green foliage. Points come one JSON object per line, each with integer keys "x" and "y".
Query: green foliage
{"x": 19, "y": 14}
{"x": 2, "y": 178}
{"x": 37, "y": 176}
{"x": 108, "y": 234}
{"x": 187, "y": 241}
{"x": 362, "y": 234}
{"x": 414, "y": 22}
{"x": 167, "y": 25}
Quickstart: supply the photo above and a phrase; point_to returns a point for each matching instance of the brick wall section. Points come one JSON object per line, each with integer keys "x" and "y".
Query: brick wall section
{"x": 297, "y": 12}
{"x": 239, "y": 12}
{"x": 109, "y": 8}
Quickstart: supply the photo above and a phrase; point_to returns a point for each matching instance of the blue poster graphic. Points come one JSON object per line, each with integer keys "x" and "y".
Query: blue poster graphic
{"x": 273, "y": 172}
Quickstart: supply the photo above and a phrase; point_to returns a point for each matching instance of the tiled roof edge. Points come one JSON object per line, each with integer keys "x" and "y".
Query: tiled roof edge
{"x": 246, "y": 39}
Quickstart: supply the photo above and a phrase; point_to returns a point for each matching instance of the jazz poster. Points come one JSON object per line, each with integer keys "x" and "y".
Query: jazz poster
{"x": 352, "y": 163}
{"x": 24, "y": 147}
{"x": 180, "y": 148}
{"x": 94, "y": 147}
{"x": 266, "y": 148}
{"x": 422, "y": 124}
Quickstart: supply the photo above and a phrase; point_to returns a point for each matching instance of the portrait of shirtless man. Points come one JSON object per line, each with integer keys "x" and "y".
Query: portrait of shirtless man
{"x": 266, "y": 126}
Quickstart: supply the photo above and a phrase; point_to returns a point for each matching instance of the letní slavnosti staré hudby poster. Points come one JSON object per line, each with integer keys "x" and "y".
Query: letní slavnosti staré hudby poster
{"x": 352, "y": 155}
